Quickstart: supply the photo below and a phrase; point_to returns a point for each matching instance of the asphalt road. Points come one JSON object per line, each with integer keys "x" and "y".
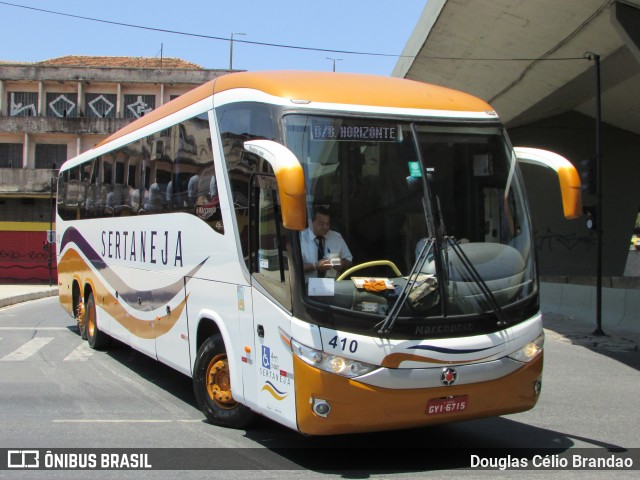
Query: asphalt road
{"x": 57, "y": 393}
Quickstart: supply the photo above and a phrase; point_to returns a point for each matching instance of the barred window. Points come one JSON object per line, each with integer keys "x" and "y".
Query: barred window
{"x": 100, "y": 105}
{"x": 136, "y": 106}
{"x": 62, "y": 105}
{"x": 23, "y": 104}
{"x": 50, "y": 154}
{"x": 10, "y": 155}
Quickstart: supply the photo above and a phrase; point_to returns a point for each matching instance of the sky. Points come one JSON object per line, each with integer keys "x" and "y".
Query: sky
{"x": 369, "y": 26}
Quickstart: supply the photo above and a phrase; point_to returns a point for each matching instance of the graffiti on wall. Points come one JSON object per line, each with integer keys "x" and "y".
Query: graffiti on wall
{"x": 549, "y": 240}
{"x": 25, "y": 256}
{"x": 137, "y": 106}
{"x": 62, "y": 105}
{"x": 23, "y": 104}
{"x": 101, "y": 105}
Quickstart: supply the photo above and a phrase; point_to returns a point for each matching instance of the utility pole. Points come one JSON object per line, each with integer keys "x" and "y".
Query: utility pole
{"x": 231, "y": 49}
{"x": 599, "y": 222}
{"x": 334, "y": 62}
{"x": 50, "y": 243}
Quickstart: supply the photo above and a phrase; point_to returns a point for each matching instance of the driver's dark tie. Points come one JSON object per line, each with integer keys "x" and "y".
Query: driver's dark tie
{"x": 320, "y": 243}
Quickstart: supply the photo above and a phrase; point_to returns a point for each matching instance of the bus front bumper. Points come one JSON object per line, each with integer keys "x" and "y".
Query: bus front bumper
{"x": 349, "y": 406}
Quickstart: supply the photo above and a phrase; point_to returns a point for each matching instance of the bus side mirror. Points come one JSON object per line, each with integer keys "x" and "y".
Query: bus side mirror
{"x": 290, "y": 178}
{"x": 567, "y": 176}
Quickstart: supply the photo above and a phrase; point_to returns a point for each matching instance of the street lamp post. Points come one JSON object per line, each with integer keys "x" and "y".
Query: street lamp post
{"x": 334, "y": 60}
{"x": 599, "y": 209}
{"x": 231, "y": 49}
{"x": 50, "y": 242}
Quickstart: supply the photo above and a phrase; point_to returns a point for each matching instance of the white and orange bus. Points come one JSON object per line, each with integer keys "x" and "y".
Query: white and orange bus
{"x": 180, "y": 235}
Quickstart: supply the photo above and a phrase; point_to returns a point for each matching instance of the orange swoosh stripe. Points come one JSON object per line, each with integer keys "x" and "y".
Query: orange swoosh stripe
{"x": 394, "y": 360}
{"x": 72, "y": 263}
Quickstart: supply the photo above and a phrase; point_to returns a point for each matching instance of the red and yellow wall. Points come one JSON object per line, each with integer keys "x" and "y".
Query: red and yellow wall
{"x": 24, "y": 254}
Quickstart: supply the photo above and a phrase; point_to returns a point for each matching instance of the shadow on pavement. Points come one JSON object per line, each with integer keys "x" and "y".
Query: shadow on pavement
{"x": 441, "y": 447}
{"x": 619, "y": 345}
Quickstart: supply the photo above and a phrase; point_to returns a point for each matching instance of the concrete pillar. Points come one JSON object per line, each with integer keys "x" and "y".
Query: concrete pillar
{"x": 2, "y": 111}
{"x": 161, "y": 94}
{"x": 80, "y": 105}
{"x": 25, "y": 152}
{"x": 119, "y": 102}
{"x": 41, "y": 99}
{"x": 78, "y": 144}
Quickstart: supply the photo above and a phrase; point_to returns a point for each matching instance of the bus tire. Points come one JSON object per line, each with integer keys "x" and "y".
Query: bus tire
{"x": 97, "y": 339}
{"x": 212, "y": 387}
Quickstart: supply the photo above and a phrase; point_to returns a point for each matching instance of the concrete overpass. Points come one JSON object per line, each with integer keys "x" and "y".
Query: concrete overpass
{"x": 527, "y": 59}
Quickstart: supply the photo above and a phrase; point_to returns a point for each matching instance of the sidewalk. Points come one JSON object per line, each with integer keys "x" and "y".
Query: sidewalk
{"x": 620, "y": 306}
{"x": 12, "y": 294}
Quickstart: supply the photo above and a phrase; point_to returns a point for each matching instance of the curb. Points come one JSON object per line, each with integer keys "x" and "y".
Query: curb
{"x": 26, "y": 297}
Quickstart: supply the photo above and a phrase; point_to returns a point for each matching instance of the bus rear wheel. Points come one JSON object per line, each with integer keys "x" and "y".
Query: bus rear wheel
{"x": 96, "y": 338}
{"x": 212, "y": 387}
{"x": 81, "y": 317}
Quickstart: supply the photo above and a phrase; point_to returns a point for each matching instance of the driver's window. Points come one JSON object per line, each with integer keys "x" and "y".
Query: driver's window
{"x": 269, "y": 256}
{"x": 239, "y": 122}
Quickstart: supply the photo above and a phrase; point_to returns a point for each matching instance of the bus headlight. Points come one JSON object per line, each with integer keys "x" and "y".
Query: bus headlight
{"x": 529, "y": 351}
{"x": 330, "y": 363}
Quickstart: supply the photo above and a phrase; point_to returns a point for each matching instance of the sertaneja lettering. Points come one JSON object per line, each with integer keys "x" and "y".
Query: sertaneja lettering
{"x": 154, "y": 247}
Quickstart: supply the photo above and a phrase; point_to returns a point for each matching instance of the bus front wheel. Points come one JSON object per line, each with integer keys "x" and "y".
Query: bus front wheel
{"x": 212, "y": 386}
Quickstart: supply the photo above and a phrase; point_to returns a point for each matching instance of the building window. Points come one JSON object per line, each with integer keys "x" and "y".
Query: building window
{"x": 10, "y": 155}
{"x": 23, "y": 104}
{"x": 49, "y": 154}
{"x": 62, "y": 105}
{"x": 136, "y": 106}
{"x": 100, "y": 105}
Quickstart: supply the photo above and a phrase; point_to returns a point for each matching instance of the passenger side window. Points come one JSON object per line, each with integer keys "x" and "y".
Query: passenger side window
{"x": 169, "y": 171}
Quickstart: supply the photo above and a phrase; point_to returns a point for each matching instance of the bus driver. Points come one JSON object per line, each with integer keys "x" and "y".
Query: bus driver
{"x": 323, "y": 250}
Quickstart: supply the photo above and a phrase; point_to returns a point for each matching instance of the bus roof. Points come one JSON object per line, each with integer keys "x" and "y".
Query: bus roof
{"x": 353, "y": 89}
{"x": 324, "y": 87}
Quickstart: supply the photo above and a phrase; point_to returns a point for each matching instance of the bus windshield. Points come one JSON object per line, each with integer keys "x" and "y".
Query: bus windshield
{"x": 433, "y": 217}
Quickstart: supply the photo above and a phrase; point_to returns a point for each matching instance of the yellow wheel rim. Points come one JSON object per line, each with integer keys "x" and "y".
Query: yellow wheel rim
{"x": 219, "y": 382}
{"x": 91, "y": 322}
{"x": 80, "y": 316}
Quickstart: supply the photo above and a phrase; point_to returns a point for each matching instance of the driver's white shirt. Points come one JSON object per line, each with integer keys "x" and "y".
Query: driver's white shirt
{"x": 333, "y": 243}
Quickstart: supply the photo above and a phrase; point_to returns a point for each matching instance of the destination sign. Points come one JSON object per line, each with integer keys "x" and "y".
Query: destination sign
{"x": 354, "y": 132}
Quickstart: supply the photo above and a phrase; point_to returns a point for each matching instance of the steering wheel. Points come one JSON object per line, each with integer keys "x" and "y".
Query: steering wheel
{"x": 373, "y": 263}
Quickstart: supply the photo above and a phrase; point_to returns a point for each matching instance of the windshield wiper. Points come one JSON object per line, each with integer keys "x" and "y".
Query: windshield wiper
{"x": 479, "y": 281}
{"x": 434, "y": 241}
{"x": 471, "y": 269}
{"x": 387, "y": 324}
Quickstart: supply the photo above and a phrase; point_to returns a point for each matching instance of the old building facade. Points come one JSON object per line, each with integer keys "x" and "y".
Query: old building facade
{"x": 53, "y": 110}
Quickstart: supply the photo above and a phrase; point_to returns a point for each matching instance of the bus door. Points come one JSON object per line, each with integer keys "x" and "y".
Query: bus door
{"x": 250, "y": 356}
{"x": 271, "y": 296}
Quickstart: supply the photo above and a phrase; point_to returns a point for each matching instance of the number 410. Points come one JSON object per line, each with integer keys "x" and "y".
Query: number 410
{"x": 342, "y": 344}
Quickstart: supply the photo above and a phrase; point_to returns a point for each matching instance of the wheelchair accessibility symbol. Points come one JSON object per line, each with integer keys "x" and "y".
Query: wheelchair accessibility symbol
{"x": 266, "y": 357}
